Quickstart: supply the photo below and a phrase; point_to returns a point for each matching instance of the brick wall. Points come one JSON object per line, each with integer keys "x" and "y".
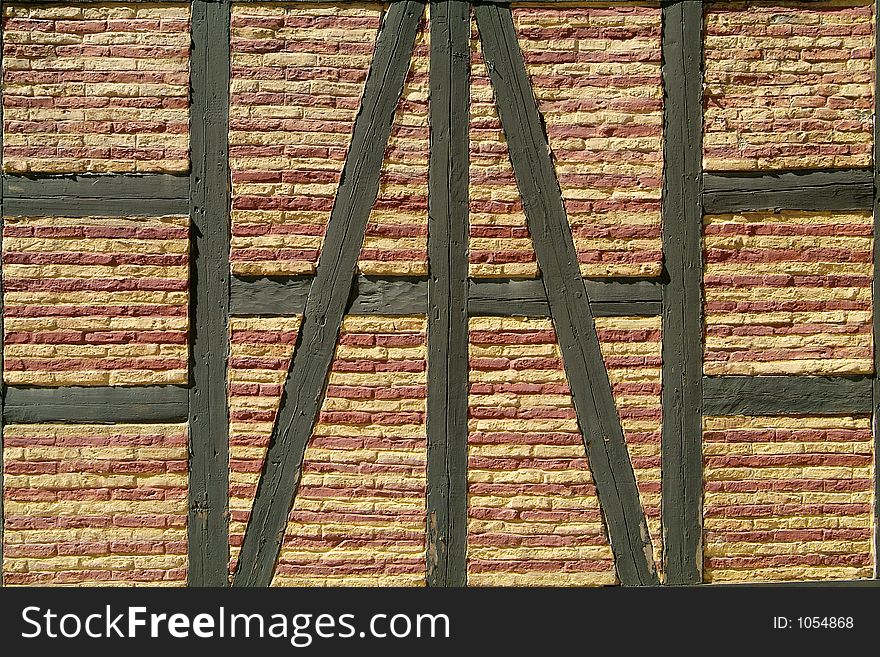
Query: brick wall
{"x": 104, "y": 300}
{"x": 596, "y": 77}
{"x": 95, "y": 88}
{"x": 94, "y": 505}
{"x": 788, "y": 498}
{"x": 788, "y": 293}
{"x": 359, "y": 515}
{"x": 534, "y": 516}
{"x": 297, "y": 77}
{"x": 788, "y": 85}
{"x": 95, "y": 300}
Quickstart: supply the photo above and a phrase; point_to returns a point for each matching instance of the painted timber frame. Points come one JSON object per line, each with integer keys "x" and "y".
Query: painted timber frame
{"x": 448, "y": 297}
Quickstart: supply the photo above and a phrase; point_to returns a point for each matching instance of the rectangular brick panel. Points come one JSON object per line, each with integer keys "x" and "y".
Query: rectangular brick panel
{"x": 359, "y": 515}
{"x": 96, "y": 88}
{"x": 787, "y": 498}
{"x": 97, "y": 505}
{"x": 534, "y": 517}
{"x": 788, "y": 85}
{"x": 95, "y": 301}
{"x": 788, "y": 293}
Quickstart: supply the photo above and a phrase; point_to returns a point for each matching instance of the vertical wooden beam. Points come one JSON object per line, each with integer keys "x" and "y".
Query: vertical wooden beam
{"x": 448, "y": 294}
{"x": 682, "y": 324}
{"x": 568, "y": 298}
{"x": 875, "y": 295}
{"x": 328, "y": 296}
{"x": 208, "y": 525}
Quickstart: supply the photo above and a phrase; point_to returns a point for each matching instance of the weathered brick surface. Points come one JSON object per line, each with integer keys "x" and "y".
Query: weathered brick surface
{"x": 95, "y": 505}
{"x": 95, "y": 88}
{"x": 534, "y": 517}
{"x": 787, "y": 498}
{"x": 95, "y": 301}
{"x": 788, "y": 85}
{"x": 596, "y": 77}
{"x": 500, "y": 242}
{"x": 298, "y": 77}
{"x": 260, "y": 352}
{"x": 359, "y": 515}
{"x": 788, "y": 293}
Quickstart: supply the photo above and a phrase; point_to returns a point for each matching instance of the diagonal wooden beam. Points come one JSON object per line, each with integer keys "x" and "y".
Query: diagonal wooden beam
{"x": 567, "y": 295}
{"x": 448, "y": 294}
{"x": 328, "y": 296}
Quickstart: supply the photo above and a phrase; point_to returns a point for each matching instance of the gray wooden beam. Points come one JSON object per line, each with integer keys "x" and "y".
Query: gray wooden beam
{"x": 447, "y": 417}
{"x": 285, "y": 296}
{"x": 388, "y": 296}
{"x": 682, "y": 488}
{"x": 208, "y": 526}
{"x": 568, "y": 298}
{"x": 527, "y": 298}
{"x": 786, "y": 395}
{"x": 328, "y": 296}
{"x": 852, "y": 189}
{"x": 87, "y": 195}
{"x": 84, "y": 405}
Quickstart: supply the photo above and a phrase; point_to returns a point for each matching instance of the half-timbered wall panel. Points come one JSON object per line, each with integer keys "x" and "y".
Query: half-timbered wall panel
{"x": 534, "y": 518}
{"x": 95, "y": 505}
{"x": 788, "y": 498}
{"x": 789, "y": 85}
{"x": 359, "y": 515}
{"x": 95, "y": 88}
{"x": 788, "y": 293}
{"x": 638, "y": 346}
{"x": 95, "y": 301}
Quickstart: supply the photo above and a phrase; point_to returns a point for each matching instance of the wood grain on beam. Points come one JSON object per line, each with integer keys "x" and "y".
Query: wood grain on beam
{"x": 130, "y": 405}
{"x": 786, "y": 395}
{"x": 852, "y": 189}
{"x": 208, "y": 524}
{"x": 96, "y": 195}
{"x": 682, "y": 324}
{"x": 286, "y": 296}
{"x": 447, "y": 416}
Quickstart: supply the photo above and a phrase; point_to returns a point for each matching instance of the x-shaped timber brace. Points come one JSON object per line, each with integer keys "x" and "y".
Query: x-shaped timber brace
{"x": 448, "y": 297}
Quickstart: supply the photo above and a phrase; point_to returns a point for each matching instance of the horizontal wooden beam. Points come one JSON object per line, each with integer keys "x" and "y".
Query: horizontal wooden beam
{"x": 101, "y": 195}
{"x": 136, "y": 404}
{"x": 786, "y": 395}
{"x": 528, "y": 298}
{"x": 408, "y": 296}
{"x": 851, "y": 189}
